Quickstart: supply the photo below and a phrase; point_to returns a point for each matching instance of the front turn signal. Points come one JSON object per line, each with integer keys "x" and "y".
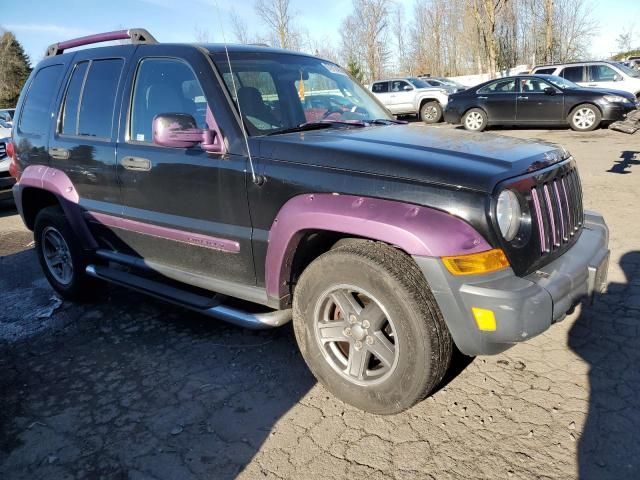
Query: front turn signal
{"x": 475, "y": 263}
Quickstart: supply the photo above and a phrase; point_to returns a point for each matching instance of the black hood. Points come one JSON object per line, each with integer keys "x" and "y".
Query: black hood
{"x": 604, "y": 91}
{"x": 476, "y": 161}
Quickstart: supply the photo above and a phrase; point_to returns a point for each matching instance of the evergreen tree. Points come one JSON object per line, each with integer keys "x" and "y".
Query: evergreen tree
{"x": 14, "y": 69}
{"x": 353, "y": 67}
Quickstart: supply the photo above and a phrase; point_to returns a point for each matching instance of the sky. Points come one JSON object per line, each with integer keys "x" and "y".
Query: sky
{"x": 37, "y": 24}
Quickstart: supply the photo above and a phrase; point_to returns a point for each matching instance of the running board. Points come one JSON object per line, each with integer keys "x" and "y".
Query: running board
{"x": 206, "y": 306}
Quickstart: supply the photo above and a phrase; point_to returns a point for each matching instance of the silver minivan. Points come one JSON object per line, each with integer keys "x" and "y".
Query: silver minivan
{"x": 600, "y": 74}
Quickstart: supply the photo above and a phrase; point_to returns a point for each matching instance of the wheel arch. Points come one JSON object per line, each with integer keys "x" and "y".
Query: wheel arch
{"x": 40, "y": 187}
{"x": 310, "y": 224}
{"x": 579, "y": 104}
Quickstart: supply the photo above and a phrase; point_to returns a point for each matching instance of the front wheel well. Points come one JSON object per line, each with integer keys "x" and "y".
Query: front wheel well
{"x": 425, "y": 100}
{"x": 34, "y": 200}
{"x": 575, "y": 107}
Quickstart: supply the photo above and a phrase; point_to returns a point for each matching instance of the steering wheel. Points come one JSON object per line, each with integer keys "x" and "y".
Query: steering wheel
{"x": 331, "y": 110}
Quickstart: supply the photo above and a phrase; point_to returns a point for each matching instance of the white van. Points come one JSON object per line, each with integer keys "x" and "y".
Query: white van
{"x": 602, "y": 74}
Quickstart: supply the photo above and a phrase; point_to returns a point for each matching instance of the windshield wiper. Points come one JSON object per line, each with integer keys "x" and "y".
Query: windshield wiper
{"x": 318, "y": 125}
{"x": 386, "y": 121}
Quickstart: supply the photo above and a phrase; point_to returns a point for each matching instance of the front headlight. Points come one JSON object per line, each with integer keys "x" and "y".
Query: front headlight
{"x": 508, "y": 214}
{"x": 615, "y": 99}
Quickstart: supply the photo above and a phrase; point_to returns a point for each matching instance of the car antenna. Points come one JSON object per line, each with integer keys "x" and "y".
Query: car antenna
{"x": 257, "y": 179}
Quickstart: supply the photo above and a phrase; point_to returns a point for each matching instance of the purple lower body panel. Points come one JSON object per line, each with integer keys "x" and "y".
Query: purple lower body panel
{"x": 416, "y": 230}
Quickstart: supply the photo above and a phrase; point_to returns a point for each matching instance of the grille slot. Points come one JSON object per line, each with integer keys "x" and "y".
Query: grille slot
{"x": 3, "y": 150}
{"x": 558, "y": 210}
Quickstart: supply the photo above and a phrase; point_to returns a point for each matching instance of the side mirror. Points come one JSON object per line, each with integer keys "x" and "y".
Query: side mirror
{"x": 550, "y": 90}
{"x": 179, "y": 130}
{"x": 407, "y": 88}
{"x": 617, "y": 78}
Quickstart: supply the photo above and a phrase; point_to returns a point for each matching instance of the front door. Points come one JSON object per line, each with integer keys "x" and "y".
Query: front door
{"x": 182, "y": 208}
{"x": 537, "y": 105}
{"x": 402, "y": 94}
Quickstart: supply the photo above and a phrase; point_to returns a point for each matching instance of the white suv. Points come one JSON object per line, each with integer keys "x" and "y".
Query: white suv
{"x": 610, "y": 75}
{"x": 411, "y": 96}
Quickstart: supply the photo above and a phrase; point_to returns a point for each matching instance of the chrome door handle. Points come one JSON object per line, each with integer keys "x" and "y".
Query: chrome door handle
{"x": 520, "y": 97}
{"x": 482, "y": 98}
{"x": 59, "y": 153}
{"x": 136, "y": 163}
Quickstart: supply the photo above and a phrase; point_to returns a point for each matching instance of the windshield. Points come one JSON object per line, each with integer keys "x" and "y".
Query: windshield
{"x": 560, "y": 82}
{"x": 418, "y": 83}
{"x": 629, "y": 71}
{"x": 283, "y": 91}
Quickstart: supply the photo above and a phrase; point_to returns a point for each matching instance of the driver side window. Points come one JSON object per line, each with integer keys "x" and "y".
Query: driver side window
{"x": 399, "y": 86}
{"x": 164, "y": 85}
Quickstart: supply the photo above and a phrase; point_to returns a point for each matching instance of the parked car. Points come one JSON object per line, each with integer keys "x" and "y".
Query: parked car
{"x": 6, "y": 115}
{"x": 6, "y": 180}
{"x": 387, "y": 244}
{"x": 598, "y": 74}
{"x": 451, "y": 86}
{"x": 411, "y": 96}
{"x": 537, "y": 100}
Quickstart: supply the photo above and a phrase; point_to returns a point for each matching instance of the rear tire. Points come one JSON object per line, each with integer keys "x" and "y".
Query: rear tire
{"x": 585, "y": 118}
{"x": 431, "y": 112}
{"x": 61, "y": 256}
{"x": 391, "y": 348}
{"x": 475, "y": 120}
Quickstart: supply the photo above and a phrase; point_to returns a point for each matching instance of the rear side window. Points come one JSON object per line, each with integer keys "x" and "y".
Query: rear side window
{"x": 573, "y": 74}
{"x": 72, "y": 100}
{"x": 500, "y": 86}
{"x": 545, "y": 71}
{"x": 380, "y": 87}
{"x": 36, "y": 113}
{"x": 98, "y": 98}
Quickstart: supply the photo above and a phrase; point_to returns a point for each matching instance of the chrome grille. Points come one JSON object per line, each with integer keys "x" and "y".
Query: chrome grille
{"x": 3, "y": 150}
{"x": 558, "y": 211}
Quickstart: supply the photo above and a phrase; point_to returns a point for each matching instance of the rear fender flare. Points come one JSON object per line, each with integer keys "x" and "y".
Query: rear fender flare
{"x": 415, "y": 229}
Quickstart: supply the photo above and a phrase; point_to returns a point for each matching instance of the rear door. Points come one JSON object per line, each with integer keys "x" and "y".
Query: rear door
{"x": 84, "y": 142}
{"x": 498, "y": 99}
{"x": 381, "y": 90}
{"x": 536, "y": 105}
{"x": 183, "y": 207}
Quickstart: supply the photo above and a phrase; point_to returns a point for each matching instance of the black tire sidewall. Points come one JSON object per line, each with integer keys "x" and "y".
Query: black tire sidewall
{"x": 438, "y": 110}
{"x": 53, "y": 216}
{"x": 408, "y": 382}
{"x": 485, "y": 119}
{"x": 595, "y": 125}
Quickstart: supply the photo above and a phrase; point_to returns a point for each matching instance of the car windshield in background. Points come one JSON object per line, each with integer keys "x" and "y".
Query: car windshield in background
{"x": 416, "y": 82}
{"x": 277, "y": 92}
{"x": 560, "y": 82}
{"x": 629, "y": 71}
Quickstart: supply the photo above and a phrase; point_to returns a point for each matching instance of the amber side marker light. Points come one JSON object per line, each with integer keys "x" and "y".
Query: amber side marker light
{"x": 483, "y": 262}
{"x": 485, "y": 319}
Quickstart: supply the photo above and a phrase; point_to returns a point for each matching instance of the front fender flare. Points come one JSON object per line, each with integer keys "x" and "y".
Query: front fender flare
{"x": 415, "y": 229}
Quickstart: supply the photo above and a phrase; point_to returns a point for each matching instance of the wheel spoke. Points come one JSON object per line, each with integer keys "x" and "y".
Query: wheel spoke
{"x": 357, "y": 364}
{"x": 374, "y": 315}
{"x": 383, "y": 349}
{"x": 347, "y": 303}
{"x": 333, "y": 331}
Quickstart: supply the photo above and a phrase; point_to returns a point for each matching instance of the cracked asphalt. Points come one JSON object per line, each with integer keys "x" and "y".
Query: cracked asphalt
{"x": 132, "y": 388}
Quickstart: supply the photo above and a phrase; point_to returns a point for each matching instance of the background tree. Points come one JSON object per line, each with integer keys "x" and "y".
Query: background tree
{"x": 279, "y": 19}
{"x": 14, "y": 69}
{"x": 353, "y": 68}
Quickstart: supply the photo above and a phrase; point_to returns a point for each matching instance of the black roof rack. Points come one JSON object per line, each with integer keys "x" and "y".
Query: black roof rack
{"x": 136, "y": 35}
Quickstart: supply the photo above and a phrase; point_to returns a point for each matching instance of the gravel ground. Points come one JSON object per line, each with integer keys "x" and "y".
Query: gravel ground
{"x": 132, "y": 388}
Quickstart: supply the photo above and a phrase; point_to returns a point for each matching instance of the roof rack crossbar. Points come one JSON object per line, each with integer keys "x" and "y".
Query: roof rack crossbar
{"x": 136, "y": 35}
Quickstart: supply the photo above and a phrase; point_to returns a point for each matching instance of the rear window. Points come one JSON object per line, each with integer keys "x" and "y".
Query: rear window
{"x": 36, "y": 113}
{"x": 380, "y": 87}
{"x": 95, "y": 118}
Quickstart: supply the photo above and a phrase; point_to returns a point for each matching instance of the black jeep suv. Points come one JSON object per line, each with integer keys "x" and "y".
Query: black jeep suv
{"x": 183, "y": 170}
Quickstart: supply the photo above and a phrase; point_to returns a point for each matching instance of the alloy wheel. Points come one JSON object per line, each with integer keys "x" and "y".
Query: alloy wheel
{"x": 57, "y": 255}
{"x": 584, "y": 118}
{"x": 473, "y": 121}
{"x": 356, "y": 335}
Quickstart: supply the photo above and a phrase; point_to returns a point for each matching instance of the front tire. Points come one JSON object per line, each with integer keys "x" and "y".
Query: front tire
{"x": 585, "y": 118}
{"x": 61, "y": 256}
{"x": 475, "y": 120}
{"x": 369, "y": 328}
{"x": 431, "y": 112}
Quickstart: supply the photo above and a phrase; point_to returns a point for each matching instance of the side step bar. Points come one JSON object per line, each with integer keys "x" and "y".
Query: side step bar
{"x": 206, "y": 306}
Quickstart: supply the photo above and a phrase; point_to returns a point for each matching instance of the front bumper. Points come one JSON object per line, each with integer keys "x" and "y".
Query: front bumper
{"x": 612, "y": 112}
{"x": 6, "y": 184}
{"x": 523, "y": 306}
